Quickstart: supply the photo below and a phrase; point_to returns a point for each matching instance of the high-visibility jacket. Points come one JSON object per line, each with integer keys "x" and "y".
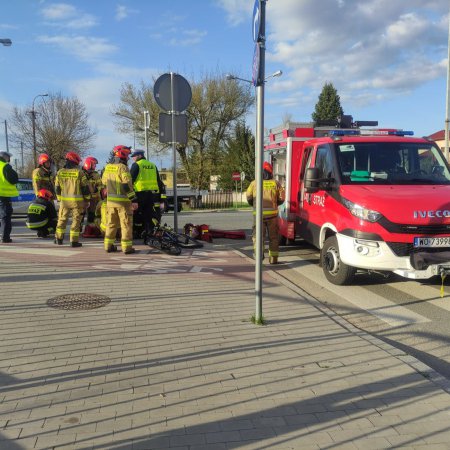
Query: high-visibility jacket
{"x": 72, "y": 187}
{"x": 119, "y": 187}
{"x": 147, "y": 179}
{"x": 272, "y": 197}
{"x": 95, "y": 183}
{"x": 6, "y": 188}
{"x": 42, "y": 179}
{"x": 40, "y": 212}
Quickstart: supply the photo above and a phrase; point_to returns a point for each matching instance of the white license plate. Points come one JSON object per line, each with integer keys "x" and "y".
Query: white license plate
{"x": 431, "y": 241}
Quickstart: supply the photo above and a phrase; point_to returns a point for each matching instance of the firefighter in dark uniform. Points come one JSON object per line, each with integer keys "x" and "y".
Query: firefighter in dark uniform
{"x": 73, "y": 194}
{"x": 272, "y": 196}
{"x": 119, "y": 195}
{"x": 147, "y": 185}
{"x": 42, "y": 175}
{"x": 8, "y": 190}
{"x": 41, "y": 216}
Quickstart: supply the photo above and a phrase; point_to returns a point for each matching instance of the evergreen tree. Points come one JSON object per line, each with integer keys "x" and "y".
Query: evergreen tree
{"x": 328, "y": 106}
{"x": 238, "y": 156}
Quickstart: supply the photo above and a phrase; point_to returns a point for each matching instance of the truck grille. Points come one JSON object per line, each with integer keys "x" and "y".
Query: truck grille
{"x": 425, "y": 229}
{"x": 404, "y": 249}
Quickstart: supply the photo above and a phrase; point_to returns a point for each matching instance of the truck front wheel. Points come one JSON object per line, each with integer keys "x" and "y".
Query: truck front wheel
{"x": 335, "y": 270}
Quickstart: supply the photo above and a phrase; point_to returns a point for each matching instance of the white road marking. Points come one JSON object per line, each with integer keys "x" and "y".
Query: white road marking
{"x": 429, "y": 294}
{"x": 374, "y": 304}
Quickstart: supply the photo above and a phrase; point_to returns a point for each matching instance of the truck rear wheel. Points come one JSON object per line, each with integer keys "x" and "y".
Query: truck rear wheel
{"x": 335, "y": 270}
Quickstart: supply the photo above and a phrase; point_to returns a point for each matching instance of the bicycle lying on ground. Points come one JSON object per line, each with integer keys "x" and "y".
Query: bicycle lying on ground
{"x": 164, "y": 238}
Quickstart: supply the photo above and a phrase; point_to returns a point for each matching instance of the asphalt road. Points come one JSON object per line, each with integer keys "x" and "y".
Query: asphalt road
{"x": 411, "y": 315}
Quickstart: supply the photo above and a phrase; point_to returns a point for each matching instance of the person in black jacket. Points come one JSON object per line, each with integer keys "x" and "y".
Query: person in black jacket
{"x": 8, "y": 190}
{"x": 42, "y": 215}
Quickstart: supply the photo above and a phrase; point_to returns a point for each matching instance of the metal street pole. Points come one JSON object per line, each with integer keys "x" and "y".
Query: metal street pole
{"x": 146, "y": 128}
{"x": 447, "y": 107}
{"x": 259, "y": 157}
{"x": 33, "y": 119}
{"x": 174, "y": 158}
{"x": 6, "y": 136}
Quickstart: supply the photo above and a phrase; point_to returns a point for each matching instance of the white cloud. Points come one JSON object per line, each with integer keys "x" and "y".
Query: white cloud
{"x": 367, "y": 49}
{"x": 65, "y": 15}
{"x": 238, "y": 11}
{"x": 83, "y": 47}
{"x": 189, "y": 37}
{"x": 123, "y": 12}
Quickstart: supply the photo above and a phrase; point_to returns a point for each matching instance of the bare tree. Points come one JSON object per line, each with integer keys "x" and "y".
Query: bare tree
{"x": 217, "y": 104}
{"x": 61, "y": 126}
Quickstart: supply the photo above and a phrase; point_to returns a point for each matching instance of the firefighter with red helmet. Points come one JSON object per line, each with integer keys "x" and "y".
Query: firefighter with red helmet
{"x": 72, "y": 192}
{"x": 95, "y": 186}
{"x": 42, "y": 175}
{"x": 41, "y": 216}
{"x": 272, "y": 196}
{"x": 120, "y": 193}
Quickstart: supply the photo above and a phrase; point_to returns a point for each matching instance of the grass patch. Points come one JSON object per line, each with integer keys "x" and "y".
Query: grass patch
{"x": 260, "y": 321}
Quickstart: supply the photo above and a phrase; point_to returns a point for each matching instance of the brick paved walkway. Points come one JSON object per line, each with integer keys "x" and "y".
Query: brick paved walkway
{"x": 173, "y": 361}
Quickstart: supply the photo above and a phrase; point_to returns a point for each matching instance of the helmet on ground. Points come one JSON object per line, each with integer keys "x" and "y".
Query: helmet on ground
{"x": 89, "y": 163}
{"x": 73, "y": 157}
{"x": 268, "y": 167}
{"x": 43, "y": 158}
{"x": 122, "y": 148}
{"x": 45, "y": 193}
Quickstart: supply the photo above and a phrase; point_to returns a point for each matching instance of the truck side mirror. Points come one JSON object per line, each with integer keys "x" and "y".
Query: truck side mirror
{"x": 312, "y": 180}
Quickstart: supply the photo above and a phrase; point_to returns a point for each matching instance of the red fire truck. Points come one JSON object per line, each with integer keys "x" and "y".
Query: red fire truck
{"x": 370, "y": 199}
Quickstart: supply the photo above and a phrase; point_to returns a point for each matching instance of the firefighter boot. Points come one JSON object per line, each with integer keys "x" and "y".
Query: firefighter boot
{"x": 76, "y": 244}
{"x": 129, "y": 251}
{"x": 58, "y": 241}
{"x": 273, "y": 260}
{"x": 111, "y": 249}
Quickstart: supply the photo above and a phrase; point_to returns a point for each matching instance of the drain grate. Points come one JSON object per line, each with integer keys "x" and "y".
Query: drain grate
{"x": 78, "y": 301}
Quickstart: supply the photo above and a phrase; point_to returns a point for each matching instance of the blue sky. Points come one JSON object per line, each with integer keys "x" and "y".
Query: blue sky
{"x": 387, "y": 58}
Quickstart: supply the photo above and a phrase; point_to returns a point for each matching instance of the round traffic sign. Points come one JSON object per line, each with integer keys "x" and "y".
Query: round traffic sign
{"x": 167, "y": 84}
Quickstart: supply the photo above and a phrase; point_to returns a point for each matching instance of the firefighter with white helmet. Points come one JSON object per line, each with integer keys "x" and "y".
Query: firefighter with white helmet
{"x": 73, "y": 194}
{"x": 120, "y": 193}
{"x": 42, "y": 175}
{"x": 272, "y": 196}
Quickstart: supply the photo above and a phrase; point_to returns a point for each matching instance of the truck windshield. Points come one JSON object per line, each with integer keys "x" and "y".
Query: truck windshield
{"x": 391, "y": 163}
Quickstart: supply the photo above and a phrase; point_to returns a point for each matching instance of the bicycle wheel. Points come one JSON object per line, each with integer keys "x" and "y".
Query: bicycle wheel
{"x": 186, "y": 241}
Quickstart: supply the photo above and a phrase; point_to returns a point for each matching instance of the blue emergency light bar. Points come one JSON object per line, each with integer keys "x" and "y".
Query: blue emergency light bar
{"x": 371, "y": 133}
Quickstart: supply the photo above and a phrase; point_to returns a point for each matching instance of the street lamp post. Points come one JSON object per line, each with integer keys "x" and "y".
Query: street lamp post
{"x": 33, "y": 121}
{"x": 6, "y": 136}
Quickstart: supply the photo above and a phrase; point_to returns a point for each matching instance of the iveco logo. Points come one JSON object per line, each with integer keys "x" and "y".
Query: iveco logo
{"x": 430, "y": 214}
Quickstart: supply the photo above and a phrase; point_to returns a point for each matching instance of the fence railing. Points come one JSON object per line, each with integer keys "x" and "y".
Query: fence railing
{"x": 217, "y": 199}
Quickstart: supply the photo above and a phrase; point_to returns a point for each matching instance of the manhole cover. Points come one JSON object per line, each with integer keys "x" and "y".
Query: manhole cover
{"x": 78, "y": 301}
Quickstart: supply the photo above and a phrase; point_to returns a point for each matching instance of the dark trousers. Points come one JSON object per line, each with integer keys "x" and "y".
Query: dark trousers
{"x": 145, "y": 209}
{"x": 6, "y": 211}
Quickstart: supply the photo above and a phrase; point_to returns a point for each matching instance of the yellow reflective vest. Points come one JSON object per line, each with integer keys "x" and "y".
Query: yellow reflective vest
{"x": 71, "y": 187}
{"x": 6, "y": 188}
{"x": 42, "y": 179}
{"x": 119, "y": 187}
{"x": 147, "y": 177}
{"x": 272, "y": 196}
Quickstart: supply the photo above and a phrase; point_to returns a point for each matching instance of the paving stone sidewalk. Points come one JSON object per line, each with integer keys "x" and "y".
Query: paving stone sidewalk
{"x": 173, "y": 362}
